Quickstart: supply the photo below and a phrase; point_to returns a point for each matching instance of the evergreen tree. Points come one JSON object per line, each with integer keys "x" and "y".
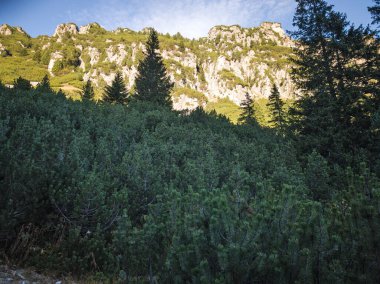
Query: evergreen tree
{"x": 336, "y": 68}
{"x": 22, "y": 84}
{"x": 276, "y": 105}
{"x": 44, "y": 85}
{"x": 152, "y": 82}
{"x": 316, "y": 177}
{"x": 117, "y": 92}
{"x": 247, "y": 115}
{"x": 61, "y": 94}
{"x": 375, "y": 11}
{"x": 88, "y": 91}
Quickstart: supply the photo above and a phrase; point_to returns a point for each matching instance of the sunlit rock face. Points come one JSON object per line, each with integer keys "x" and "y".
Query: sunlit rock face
{"x": 5, "y": 30}
{"x": 66, "y": 28}
{"x": 227, "y": 64}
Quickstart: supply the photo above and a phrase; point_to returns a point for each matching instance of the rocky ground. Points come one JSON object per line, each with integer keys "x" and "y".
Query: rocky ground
{"x": 9, "y": 274}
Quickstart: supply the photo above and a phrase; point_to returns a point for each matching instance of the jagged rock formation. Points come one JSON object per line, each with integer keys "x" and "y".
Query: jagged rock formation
{"x": 90, "y": 27}
{"x": 8, "y": 30}
{"x": 66, "y": 28}
{"x": 266, "y": 33}
{"x": 230, "y": 62}
{"x": 5, "y": 30}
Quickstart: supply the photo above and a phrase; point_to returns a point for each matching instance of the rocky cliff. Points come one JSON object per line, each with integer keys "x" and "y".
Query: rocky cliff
{"x": 230, "y": 62}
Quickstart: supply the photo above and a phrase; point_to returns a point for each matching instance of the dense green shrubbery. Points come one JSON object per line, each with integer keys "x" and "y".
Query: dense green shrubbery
{"x": 140, "y": 192}
{"x": 137, "y": 193}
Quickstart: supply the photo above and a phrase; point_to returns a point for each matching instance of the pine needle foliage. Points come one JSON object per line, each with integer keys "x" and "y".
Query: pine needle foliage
{"x": 88, "y": 91}
{"x": 152, "y": 83}
{"x": 22, "y": 84}
{"x": 247, "y": 115}
{"x": 44, "y": 85}
{"x": 116, "y": 93}
{"x": 276, "y": 106}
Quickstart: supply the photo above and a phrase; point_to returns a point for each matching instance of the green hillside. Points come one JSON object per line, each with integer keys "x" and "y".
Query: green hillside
{"x": 128, "y": 191}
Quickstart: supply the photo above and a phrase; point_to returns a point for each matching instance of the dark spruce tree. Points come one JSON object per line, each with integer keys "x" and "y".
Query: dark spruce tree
{"x": 22, "y": 84}
{"x": 116, "y": 93}
{"x": 152, "y": 83}
{"x": 375, "y": 11}
{"x": 276, "y": 106}
{"x": 44, "y": 85}
{"x": 88, "y": 91}
{"x": 336, "y": 67}
{"x": 247, "y": 115}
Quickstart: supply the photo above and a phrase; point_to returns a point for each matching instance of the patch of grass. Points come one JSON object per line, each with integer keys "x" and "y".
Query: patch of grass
{"x": 14, "y": 67}
{"x": 232, "y": 111}
{"x": 70, "y": 91}
{"x": 73, "y": 79}
{"x": 225, "y": 107}
{"x": 189, "y": 93}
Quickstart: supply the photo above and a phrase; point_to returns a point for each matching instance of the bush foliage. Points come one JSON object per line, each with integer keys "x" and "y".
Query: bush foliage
{"x": 139, "y": 192}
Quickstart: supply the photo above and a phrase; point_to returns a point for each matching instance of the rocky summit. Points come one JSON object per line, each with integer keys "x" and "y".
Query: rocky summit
{"x": 230, "y": 62}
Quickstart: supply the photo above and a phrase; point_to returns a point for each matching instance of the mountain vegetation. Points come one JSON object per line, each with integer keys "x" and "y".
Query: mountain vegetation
{"x": 247, "y": 115}
{"x": 228, "y": 63}
{"x": 152, "y": 82}
{"x": 87, "y": 91}
{"x": 337, "y": 68}
{"x": 276, "y": 106}
{"x": 125, "y": 190}
{"x": 116, "y": 92}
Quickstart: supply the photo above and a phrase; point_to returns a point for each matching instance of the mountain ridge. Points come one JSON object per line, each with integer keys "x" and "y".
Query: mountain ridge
{"x": 230, "y": 62}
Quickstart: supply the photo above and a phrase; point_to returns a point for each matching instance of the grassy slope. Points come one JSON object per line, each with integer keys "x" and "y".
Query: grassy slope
{"x": 232, "y": 111}
{"x": 13, "y": 67}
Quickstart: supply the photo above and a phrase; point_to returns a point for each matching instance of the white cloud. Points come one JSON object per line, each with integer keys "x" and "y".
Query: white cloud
{"x": 192, "y": 18}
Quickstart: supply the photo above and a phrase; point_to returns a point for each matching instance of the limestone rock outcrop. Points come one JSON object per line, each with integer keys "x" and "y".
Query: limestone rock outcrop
{"x": 69, "y": 28}
{"x": 227, "y": 64}
{"x": 5, "y": 30}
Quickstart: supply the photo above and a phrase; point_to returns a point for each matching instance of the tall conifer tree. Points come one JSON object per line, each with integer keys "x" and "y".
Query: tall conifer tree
{"x": 44, "y": 85}
{"x": 88, "y": 91}
{"x": 375, "y": 11}
{"x": 22, "y": 84}
{"x": 116, "y": 93}
{"x": 152, "y": 83}
{"x": 276, "y": 105}
{"x": 247, "y": 115}
{"x": 335, "y": 67}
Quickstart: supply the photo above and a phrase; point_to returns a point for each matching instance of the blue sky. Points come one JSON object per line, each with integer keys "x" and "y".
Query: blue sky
{"x": 192, "y": 18}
